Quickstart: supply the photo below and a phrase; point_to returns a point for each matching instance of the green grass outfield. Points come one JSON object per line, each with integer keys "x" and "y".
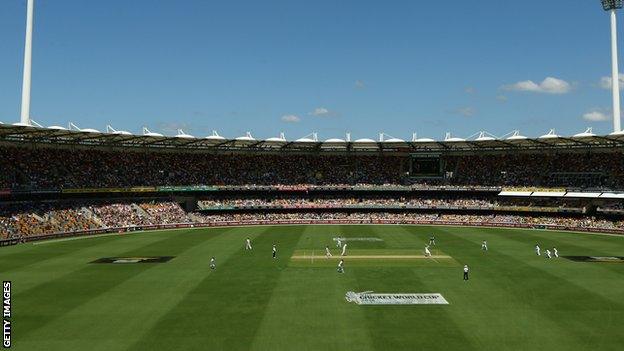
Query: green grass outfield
{"x": 513, "y": 301}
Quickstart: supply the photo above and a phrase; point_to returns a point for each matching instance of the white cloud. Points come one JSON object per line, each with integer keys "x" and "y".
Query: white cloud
{"x": 359, "y": 84}
{"x": 320, "y": 112}
{"x": 549, "y": 85}
{"x": 467, "y": 111}
{"x": 605, "y": 82}
{"x": 291, "y": 119}
{"x": 596, "y": 116}
{"x": 170, "y": 127}
{"x": 502, "y": 98}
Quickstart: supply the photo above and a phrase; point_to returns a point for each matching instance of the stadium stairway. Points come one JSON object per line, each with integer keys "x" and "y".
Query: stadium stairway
{"x": 194, "y": 218}
{"x": 141, "y": 212}
{"x": 37, "y": 217}
{"x": 92, "y": 216}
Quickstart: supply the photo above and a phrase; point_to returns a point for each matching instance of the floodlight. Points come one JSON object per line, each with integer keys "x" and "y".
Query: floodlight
{"x": 609, "y": 5}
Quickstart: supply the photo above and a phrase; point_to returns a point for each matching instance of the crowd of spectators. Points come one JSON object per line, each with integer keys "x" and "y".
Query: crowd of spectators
{"x": 568, "y": 222}
{"x": 165, "y": 212}
{"x": 583, "y": 170}
{"x": 54, "y": 168}
{"x": 28, "y": 219}
{"x": 325, "y": 202}
{"x": 120, "y": 214}
{"x": 64, "y": 168}
{"x": 452, "y": 200}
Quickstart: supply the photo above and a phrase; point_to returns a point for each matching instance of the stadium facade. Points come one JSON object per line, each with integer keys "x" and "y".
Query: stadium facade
{"x": 56, "y": 135}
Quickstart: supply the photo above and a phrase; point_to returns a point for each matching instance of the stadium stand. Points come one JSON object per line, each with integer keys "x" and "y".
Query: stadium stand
{"x": 28, "y": 221}
{"x": 50, "y": 168}
{"x": 68, "y": 184}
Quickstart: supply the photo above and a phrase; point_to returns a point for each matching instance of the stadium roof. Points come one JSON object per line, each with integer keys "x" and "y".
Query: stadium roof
{"x": 112, "y": 138}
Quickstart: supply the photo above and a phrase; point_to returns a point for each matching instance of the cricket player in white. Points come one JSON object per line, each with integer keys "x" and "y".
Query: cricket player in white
{"x": 344, "y": 250}
{"x": 341, "y": 266}
{"x": 548, "y": 253}
{"x": 274, "y": 251}
{"x": 247, "y": 244}
{"x": 427, "y": 252}
{"x": 555, "y": 252}
{"x": 537, "y": 250}
{"x": 213, "y": 263}
{"x": 338, "y": 243}
{"x": 327, "y": 253}
{"x": 484, "y": 245}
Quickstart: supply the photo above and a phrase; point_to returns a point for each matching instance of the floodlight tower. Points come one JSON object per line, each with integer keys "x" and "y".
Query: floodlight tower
{"x": 25, "y": 116}
{"x": 612, "y": 6}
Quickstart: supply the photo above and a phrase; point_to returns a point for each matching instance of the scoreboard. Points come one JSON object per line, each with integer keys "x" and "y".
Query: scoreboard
{"x": 427, "y": 165}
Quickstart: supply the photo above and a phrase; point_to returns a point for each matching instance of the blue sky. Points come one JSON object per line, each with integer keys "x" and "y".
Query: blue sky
{"x": 323, "y": 66}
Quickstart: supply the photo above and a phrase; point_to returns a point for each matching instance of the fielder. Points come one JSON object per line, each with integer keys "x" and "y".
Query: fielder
{"x": 537, "y": 250}
{"x": 484, "y": 245}
{"x": 427, "y": 252}
{"x": 548, "y": 253}
{"x": 327, "y": 253}
{"x": 248, "y": 244}
{"x": 274, "y": 251}
{"x": 338, "y": 243}
{"x": 344, "y": 250}
{"x": 213, "y": 263}
{"x": 555, "y": 252}
{"x": 466, "y": 270}
{"x": 432, "y": 240}
{"x": 341, "y": 266}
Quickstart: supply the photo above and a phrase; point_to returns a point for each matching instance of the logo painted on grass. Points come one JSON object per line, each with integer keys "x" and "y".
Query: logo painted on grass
{"x": 127, "y": 260}
{"x": 369, "y": 298}
{"x": 368, "y": 238}
{"x": 614, "y": 259}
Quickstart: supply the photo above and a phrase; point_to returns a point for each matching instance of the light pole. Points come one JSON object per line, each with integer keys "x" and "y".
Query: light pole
{"x": 611, "y": 6}
{"x": 25, "y": 116}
